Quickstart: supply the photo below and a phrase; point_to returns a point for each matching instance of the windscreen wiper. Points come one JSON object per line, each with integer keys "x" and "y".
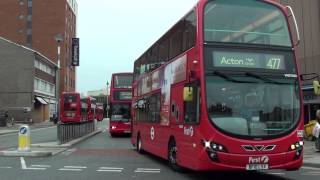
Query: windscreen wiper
{"x": 228, "y": 78}
{"x": 257, "y": 76}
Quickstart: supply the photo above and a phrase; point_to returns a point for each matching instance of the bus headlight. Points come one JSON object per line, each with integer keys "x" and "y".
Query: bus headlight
{"x": 298, "y": 147}
{"x": 213, "y": 149}
{"x": 113, "y": 127}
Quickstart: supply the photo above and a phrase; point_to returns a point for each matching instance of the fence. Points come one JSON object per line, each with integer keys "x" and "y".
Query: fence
{"x": 68, "y": 132}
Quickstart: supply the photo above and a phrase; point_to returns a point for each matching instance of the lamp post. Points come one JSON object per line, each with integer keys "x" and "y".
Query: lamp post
{"x": 59, "y": 39}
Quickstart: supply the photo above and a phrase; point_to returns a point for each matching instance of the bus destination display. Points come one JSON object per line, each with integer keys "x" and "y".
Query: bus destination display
{"x": 248, "y": 60}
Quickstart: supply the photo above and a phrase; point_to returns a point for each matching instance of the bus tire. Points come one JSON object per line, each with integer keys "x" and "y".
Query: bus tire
{"x": 139, "y": 145}
{"x": 172, "y": 156}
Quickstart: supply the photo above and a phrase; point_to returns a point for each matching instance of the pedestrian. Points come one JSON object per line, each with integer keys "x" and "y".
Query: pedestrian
{"x": 316, "y": 130}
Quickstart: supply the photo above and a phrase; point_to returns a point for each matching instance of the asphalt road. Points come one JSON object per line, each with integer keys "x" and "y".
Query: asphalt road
{"x": 103, "y": 157}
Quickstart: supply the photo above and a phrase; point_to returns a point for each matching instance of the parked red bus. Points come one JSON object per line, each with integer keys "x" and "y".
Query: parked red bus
{"x": 72, "y": 108}
{"x": 120, "y": 103}
{"x": 221, "y": 90}
{"x": 99, "y": 111}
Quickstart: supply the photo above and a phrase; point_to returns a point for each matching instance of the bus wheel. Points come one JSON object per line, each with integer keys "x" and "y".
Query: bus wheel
{"x": 172, "y": 156}
{"x": 139, "y": 145}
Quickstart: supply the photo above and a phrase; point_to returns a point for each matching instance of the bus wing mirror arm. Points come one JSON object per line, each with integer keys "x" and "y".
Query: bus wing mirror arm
{"x": 296, "y": 25}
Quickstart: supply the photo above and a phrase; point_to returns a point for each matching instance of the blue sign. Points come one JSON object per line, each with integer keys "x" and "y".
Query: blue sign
{"x": 23, "y": 130}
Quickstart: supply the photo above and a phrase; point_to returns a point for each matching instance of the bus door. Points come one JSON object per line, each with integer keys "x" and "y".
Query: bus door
{"x": 190, "y": 121}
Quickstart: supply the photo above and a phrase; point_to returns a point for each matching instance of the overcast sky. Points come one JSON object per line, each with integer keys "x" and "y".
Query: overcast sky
{"x": 113, "y": 33}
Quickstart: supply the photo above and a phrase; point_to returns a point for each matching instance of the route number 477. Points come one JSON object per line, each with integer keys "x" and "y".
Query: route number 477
{"x": 274, "y": 63}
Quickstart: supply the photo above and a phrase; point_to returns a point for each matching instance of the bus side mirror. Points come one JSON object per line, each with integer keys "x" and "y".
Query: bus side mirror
{"x": 316, "y": 87}
{"x": 188, "y": 94}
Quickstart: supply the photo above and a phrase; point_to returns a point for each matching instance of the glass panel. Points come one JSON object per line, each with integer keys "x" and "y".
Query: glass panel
{"x": 123, "y": 81}
{"x": 245, "y": 21}
{"x": 256, "y": 109}
{"x": 122, "y": 110}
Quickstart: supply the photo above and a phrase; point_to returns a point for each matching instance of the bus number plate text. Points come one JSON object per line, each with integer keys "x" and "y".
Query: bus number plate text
{"x": 252, "y": 167}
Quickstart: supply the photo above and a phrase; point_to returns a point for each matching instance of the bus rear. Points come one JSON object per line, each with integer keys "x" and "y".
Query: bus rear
{"x": 70, "y": 107}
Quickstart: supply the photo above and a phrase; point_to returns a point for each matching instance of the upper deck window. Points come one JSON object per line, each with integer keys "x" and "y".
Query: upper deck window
{"x": 123, "y": 81}
{"x": 245, "y": 21}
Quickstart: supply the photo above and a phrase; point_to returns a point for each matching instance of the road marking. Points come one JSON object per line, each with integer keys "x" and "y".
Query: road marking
{"x": 310, "y": 168}
{"x": 276, "y": 173}
{"x": 75, "y": 167}
{"x": 69, "y": 151}
{"x": 109, "y": 169}
{"x": 311, "y": 173}
{"x": 41, "y": 166}
{"x": 5, "y": 167}
{"x": 66, "y": 169}
{"x": 23, "y": 163}
{"x": 147, "y": 170}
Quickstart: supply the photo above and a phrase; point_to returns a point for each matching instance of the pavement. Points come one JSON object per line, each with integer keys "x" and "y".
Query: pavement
{"x": 44, "y": 149}
{"x": 311, "y": 155}
{"x": 15, "y": 127}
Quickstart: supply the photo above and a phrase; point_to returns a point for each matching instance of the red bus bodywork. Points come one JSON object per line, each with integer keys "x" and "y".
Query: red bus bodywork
{"x": 91, "y": 102}
{"x": 72, "y": 108}
{"x": 201, "y": 144}
{"x": 120, "y": 103}
{"x": 99, "y": 111}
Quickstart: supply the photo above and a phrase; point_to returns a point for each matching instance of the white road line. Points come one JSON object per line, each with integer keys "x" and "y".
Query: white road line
{"x": 148, "y": 169}
{"x": 108, "y": 170}
{"x": 41, "y": 166}
{"x": 69, "y": 151}
{"x": 111, "y": 168}
{"x": 23, "y": 163}
{"x": 32, "y": 168}
{"x": 310, "y": 168}
{"x": 310, "y": 174}
{"x": 141, "y": 171}
{"x": 277, "y": 173}
{"x": 75, "y": 167}
{"x": 5, "y": 167}
{"x": 66, "y": 169}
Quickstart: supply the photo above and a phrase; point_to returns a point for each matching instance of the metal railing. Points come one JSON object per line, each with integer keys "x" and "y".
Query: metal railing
{"x": 69, "y": 132}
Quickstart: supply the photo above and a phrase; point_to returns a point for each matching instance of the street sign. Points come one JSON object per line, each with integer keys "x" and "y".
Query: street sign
{"x": 75, "y": 52}
{"x": 24, "y": 138}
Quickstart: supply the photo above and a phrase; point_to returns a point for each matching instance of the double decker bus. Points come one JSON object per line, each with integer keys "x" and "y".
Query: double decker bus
{"x": 91, "y": 102}
{"x": 120, "y": 103}
{"x": 99, "y": 111}
{"x": 221, "y": 89}
{"x": 73, "y": 109}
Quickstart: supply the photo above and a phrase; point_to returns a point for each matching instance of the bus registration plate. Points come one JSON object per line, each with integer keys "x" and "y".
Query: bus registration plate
{"x": 252, "y": 167}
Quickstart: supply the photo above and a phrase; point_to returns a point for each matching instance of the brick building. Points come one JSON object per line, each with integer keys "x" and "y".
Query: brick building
{"x": 35, "y": 23}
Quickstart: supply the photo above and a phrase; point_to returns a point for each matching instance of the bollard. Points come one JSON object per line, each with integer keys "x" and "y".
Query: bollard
{"x": 24, "y": 138}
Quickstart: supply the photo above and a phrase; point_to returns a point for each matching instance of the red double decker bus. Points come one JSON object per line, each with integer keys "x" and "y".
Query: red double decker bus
{"x": 99, "y": 111}
{"x": 91, "y": 102}
{"x": 221, "y": 89}
{"x": 72, "y": 108}
{"x": 120, "y": 103}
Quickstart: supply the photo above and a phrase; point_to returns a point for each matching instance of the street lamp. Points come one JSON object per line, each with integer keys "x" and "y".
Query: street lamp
{"x": 59, "y": 39}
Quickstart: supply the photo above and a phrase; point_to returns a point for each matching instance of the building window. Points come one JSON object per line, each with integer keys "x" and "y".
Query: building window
{"x": 21, "y": 16}
{"x": 29, "y": 18}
